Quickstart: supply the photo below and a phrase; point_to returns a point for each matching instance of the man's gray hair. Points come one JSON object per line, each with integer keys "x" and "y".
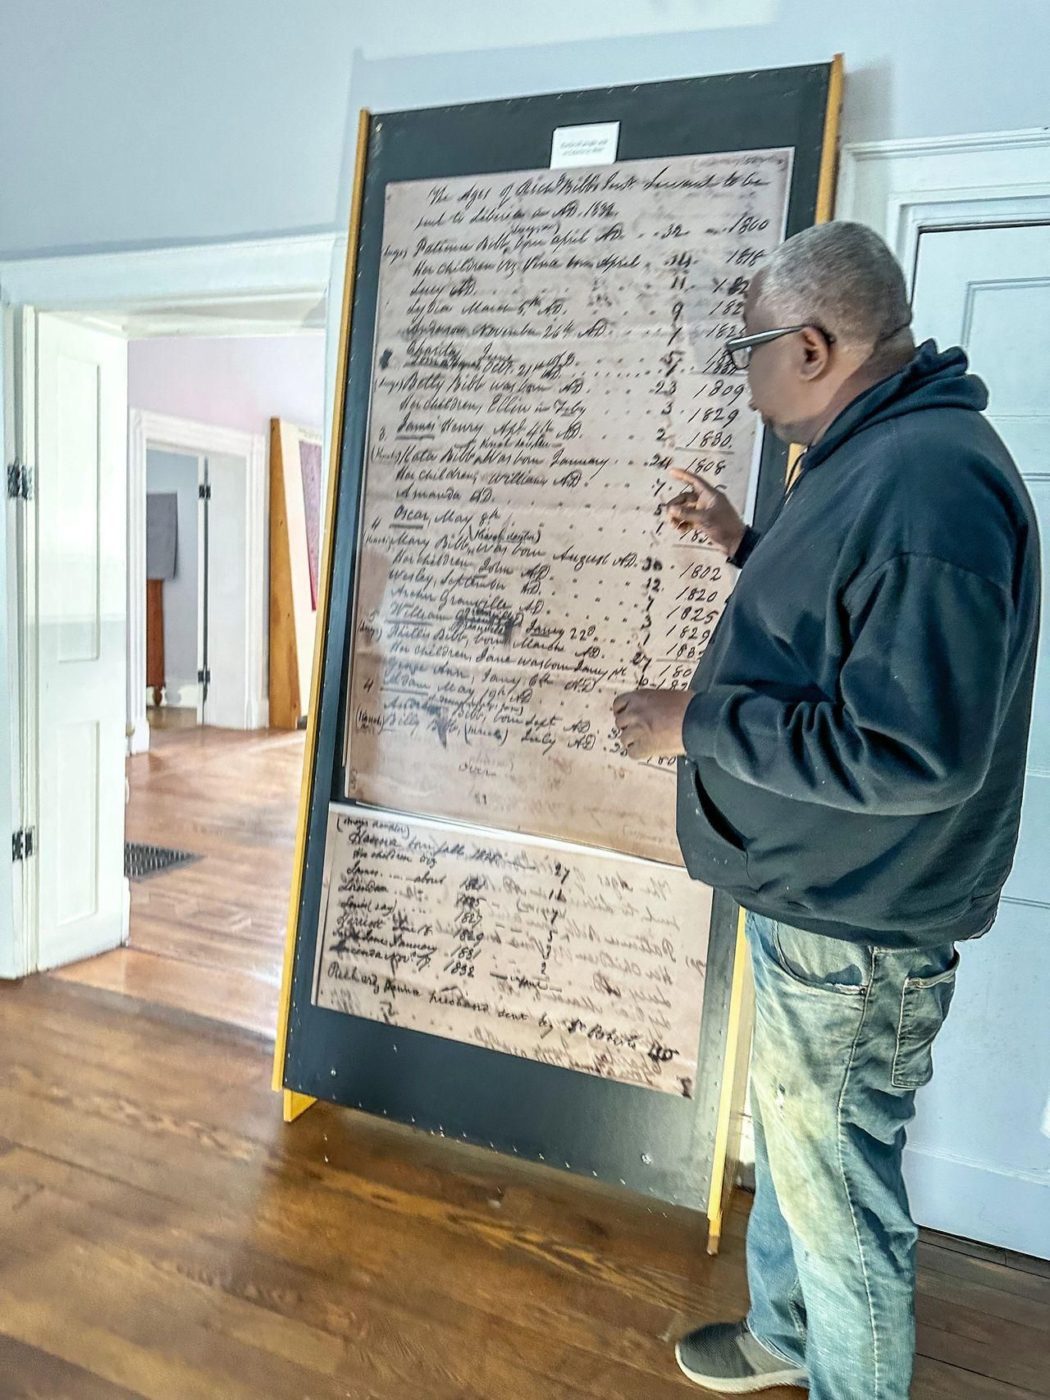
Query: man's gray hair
{"x": 842, "y": 277}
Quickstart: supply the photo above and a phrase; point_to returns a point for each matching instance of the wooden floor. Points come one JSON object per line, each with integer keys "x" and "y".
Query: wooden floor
{"x": 170, "y": 717}
{"x": 209, "y": 937}
{"x": 164, "y": 1235}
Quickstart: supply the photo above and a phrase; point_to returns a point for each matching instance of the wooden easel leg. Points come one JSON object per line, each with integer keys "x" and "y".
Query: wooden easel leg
{"x": 295, "y": 1105}
{"x": 734, "y": 1090}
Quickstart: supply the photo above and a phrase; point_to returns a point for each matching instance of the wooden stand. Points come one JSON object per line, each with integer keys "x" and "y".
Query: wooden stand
{"x": 155, "y": 637}
{"x": 292, "y": 616}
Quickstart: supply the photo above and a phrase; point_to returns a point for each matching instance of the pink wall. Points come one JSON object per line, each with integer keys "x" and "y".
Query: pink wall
{"x": 230, "y": 381}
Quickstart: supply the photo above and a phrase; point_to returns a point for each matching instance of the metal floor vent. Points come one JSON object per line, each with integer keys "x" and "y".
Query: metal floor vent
{"x": 140, "y": 862}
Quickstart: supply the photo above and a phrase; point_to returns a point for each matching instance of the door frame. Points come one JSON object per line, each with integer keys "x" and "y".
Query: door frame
{"x": 901, "y": 188}
{"x": 146, "y": 430}
{"x": 228, "y": 280}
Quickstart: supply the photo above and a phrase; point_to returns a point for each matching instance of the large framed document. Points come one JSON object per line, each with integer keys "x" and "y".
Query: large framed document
{"x": 491, "y": 933}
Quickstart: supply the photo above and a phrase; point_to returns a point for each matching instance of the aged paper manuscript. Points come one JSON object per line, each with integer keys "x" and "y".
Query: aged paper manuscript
{"x": 578, "y": 959}
{"x": 547, "y": 344}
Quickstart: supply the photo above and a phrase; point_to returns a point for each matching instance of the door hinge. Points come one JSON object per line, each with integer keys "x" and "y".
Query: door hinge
{"x": 204, "y": 491}
{"x": 204, "y": 677}
{"x": 19, "y": 482}
{"x": 23, "y": 843}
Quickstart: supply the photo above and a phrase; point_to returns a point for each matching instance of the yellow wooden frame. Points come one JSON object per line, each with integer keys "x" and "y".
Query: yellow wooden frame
{"x": 295, "y": 1104}
{"x": 742, "y": 995}
{"x": 293, "y": 620}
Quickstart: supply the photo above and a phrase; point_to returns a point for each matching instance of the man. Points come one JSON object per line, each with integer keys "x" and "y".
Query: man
{"x": 852, "y": 757}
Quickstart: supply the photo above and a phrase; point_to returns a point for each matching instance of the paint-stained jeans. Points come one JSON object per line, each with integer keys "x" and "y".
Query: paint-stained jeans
{"x": 842, "y": 1040}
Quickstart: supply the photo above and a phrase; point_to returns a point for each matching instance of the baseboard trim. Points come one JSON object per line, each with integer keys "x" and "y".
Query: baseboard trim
{"x": 977, "y": 1201}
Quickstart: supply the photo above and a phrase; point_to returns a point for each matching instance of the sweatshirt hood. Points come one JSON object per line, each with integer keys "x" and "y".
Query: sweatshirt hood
{"x": 932, "y": 378}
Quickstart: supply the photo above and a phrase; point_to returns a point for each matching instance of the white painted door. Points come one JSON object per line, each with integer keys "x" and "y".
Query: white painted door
{"x": 12, "y": 923}
{"x": 81, "y": 543}
{"x": 203, "y": 507}
{"x": 181, "y": 474}
{"x": 978, "y": 1161}
{"x": 227, "y": 702}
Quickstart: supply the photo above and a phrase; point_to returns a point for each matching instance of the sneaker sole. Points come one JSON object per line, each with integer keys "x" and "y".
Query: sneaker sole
{"x": 747, "y": 1385}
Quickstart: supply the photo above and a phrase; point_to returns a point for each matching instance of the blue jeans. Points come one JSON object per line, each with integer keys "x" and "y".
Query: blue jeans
{"x": 842, "y": 1040}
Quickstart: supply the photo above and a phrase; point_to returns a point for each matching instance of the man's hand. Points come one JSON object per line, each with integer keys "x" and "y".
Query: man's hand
{"x": 701, "y": 507}
{"x": 650, "y": 722}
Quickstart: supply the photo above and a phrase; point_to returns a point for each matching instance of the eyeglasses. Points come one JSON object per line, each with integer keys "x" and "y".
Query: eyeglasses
{"x": 739, "y": 348}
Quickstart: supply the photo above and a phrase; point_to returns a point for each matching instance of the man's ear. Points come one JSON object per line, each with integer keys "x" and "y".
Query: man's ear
{"x": 814, "y": 353}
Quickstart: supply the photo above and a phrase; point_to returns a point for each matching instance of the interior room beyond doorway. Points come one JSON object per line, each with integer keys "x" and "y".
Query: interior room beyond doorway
{"x": 211, "y": 791}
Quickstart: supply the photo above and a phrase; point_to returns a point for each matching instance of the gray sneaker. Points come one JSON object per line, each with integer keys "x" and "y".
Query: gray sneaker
{"x": 727, "y": 1358}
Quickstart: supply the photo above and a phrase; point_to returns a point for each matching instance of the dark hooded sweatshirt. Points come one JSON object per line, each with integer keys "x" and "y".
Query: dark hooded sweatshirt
{"x": 856, "y": 746}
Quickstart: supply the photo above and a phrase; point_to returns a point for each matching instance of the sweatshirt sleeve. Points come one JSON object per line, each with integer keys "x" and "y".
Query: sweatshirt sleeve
{"x": 744, "y": 549}
{"x": 913, "y": 724}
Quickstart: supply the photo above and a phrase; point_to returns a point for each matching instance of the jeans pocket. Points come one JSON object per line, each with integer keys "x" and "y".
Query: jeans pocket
{"x": 924, "y": 1005}
{"x": 713, "y": 849}
{"x": 820, "y": 963}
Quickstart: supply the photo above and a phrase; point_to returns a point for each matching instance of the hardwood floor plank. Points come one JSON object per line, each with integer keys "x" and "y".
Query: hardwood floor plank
{"x": 992, "y": 1347}
{"x": 986, "y": 1300}
{"x": 1015, "y": 1282}
{"x": 32, "y": 1373}
{"x": 936, "y": 1380}
{"x": 974, "y": 1249}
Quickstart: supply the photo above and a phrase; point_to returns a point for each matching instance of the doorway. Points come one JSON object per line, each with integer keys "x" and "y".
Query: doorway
{"x": 197, "y": 560}
{"x": 177, "y": 567}
{"x": 65, "y": 611}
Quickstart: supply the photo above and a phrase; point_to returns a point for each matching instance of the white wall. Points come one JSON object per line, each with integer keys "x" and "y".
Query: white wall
{"x": 231, "y": 382}
{"x": 253, "y": 131}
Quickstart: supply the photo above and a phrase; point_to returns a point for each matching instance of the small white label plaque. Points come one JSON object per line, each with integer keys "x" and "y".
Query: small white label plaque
{"x": 593, "y": 144}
